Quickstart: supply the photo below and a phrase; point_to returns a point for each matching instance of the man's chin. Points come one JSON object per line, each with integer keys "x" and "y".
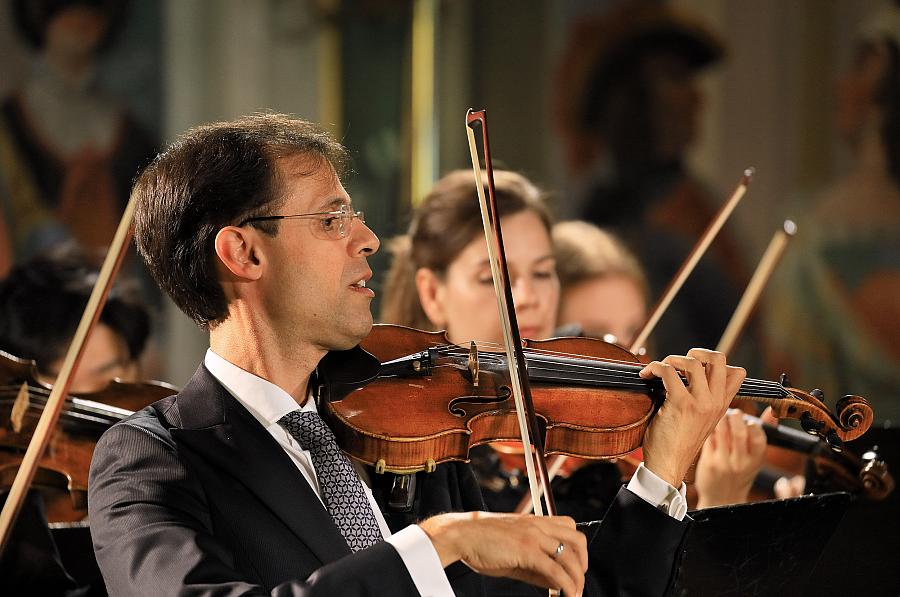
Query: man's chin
{"x": 354, "y": 334}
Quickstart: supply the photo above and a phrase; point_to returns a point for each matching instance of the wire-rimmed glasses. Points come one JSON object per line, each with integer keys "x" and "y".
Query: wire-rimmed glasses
{"x": 333, "y": 225}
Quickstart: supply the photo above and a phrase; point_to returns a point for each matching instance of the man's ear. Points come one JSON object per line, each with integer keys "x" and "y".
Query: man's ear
{"x": 239, "y": 252}
{"x": 430, "y": 289}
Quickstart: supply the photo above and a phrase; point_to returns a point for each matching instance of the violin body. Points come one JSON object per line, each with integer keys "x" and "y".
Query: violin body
{"x": 426, "y": 428}
{"x": 427, "y": 401}
{"x": 62, "y": 476}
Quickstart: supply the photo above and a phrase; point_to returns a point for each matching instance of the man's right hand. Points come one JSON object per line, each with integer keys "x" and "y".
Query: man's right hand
{"x": 517, "y": 546}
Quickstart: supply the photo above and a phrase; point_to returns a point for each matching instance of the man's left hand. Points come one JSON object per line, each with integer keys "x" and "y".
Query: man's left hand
{"x": 690, "y": 411}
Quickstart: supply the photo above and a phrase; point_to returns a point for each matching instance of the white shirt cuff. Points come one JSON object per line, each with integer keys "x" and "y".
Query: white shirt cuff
{"x": 422, "y": 561}
{"x": 659, "y": 494}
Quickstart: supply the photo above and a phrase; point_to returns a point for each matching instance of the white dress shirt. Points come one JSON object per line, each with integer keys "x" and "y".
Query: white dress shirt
{"x": 268, "y": 404}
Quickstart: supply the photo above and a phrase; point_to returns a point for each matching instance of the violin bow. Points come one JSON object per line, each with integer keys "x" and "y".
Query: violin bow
{"x": 521, "y": 389}
{"x": 691, "y": 261}
{"x": 56, "y": 401}
{"x": 767, "y": 264}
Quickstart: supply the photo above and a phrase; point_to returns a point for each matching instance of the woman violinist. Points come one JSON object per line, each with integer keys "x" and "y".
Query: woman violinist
{"x": 440, "y": 279}
{"x": 604, "y": 295}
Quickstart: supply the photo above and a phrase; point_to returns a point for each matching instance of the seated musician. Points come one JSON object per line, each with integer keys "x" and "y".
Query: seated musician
{"x": 41, "y": 302}
{"x": 440, "y": 279}
{"x": 235, "y": 485}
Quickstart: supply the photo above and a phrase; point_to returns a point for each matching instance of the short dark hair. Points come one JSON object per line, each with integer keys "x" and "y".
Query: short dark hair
{"x": 214, "y": 176}
{"x": 42, "y": 300}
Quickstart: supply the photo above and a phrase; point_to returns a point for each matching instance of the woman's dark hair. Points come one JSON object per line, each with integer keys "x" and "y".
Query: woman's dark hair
{"x": 446, "y": 221}
{"x": 42, "y": 300}
{"x": 214, "y": 176}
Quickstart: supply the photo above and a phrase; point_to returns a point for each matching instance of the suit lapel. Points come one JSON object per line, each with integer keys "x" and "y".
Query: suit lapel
{"x": 223, "y": 433}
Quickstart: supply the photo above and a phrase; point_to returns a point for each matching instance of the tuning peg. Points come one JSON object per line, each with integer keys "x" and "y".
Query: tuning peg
{"x": 810, "y": 425}
{"x": 817, "y": 394}
{"x": 834, "y": 442}
{"x": 870, "y": 454}
{"x": 784, "y": 381}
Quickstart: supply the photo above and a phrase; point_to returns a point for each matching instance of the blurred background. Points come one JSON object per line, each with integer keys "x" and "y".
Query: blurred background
{"x": 627, "y": 113}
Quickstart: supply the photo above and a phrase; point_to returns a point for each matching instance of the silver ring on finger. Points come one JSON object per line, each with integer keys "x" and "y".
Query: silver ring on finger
{"x": 559, "y": 549}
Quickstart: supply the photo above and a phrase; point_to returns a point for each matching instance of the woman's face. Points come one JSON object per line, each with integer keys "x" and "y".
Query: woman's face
{"x": 605, "y": 305}
{"x": 464, "y": 303}
{"x": 857, "y": 89}
{"x": 105, "y": 358}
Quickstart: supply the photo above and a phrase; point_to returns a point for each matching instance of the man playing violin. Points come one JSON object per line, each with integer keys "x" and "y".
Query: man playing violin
{"x": 235, "y": 485}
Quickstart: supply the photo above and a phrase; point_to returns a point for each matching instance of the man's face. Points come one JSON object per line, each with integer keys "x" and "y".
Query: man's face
{"x": 313, "y": 287}
{"x": 675, "y": 102}
{"x": 857, "y": 90}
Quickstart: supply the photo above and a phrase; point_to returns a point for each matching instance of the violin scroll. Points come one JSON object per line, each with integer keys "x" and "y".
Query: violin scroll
{"x": 854, "y": 413}
{"x": 876, "y": 480}
{"x": 852, "y": 417}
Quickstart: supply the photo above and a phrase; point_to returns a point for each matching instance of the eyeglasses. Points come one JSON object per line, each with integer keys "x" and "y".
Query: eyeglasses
{"x": 332, "y": 225}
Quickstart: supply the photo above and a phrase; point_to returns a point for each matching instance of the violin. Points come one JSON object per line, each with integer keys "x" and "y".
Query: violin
{"x": 62, "y": 473}
{"x": 866, "y": 474}
{"x": 442, "y": 399}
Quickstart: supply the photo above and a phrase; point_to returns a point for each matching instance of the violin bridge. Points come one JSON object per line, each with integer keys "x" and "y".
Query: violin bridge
{"x": 20, "y": 407}
{"x": 473, "y": 363}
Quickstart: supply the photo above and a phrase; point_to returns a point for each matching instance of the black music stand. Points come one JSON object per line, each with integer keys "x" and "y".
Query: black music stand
{"x": 863, "y": 556}
{"x": 764, "y": 548}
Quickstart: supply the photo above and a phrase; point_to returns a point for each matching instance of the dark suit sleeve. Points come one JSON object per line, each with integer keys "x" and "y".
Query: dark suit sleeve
{"x": 153, "y": 532}
{"x": 635, "y": 550}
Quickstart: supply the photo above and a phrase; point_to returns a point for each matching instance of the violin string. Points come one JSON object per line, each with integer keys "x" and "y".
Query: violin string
{"x": 595, "y": 369}
{"x": 616, "y": 378}
{"x": 38, "y": 397}
{"x": 607, "y": 378}
{"x": 532, "y": 350}
{"x": 77, "y": 416}
{"x": 45, "y": 392}
{"x": 631, "y": 370}
{"x": 555, "y": 367}
{"x": 749, "y": 383}
{"x": 630, "y": 364}
{"x": 72, "y": 417}
{"x": 625, "y": 370}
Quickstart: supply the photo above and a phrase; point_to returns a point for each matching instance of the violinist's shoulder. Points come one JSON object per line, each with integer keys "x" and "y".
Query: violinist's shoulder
{"x": 151, "y": 423}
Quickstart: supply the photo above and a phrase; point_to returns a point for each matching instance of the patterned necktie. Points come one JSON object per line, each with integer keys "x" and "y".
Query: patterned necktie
{"x": 344, "y": 495}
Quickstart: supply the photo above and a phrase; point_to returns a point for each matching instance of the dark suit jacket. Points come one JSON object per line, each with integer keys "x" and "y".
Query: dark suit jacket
{"x": 191, "y": 495}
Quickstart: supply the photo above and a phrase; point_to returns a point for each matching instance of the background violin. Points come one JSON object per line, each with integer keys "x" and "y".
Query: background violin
{"x": 63, "y": 468}
{"x": 858, "y": 471}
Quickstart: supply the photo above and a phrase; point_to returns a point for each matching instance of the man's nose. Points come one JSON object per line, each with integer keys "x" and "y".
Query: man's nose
{"x": 363, "y": 240}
